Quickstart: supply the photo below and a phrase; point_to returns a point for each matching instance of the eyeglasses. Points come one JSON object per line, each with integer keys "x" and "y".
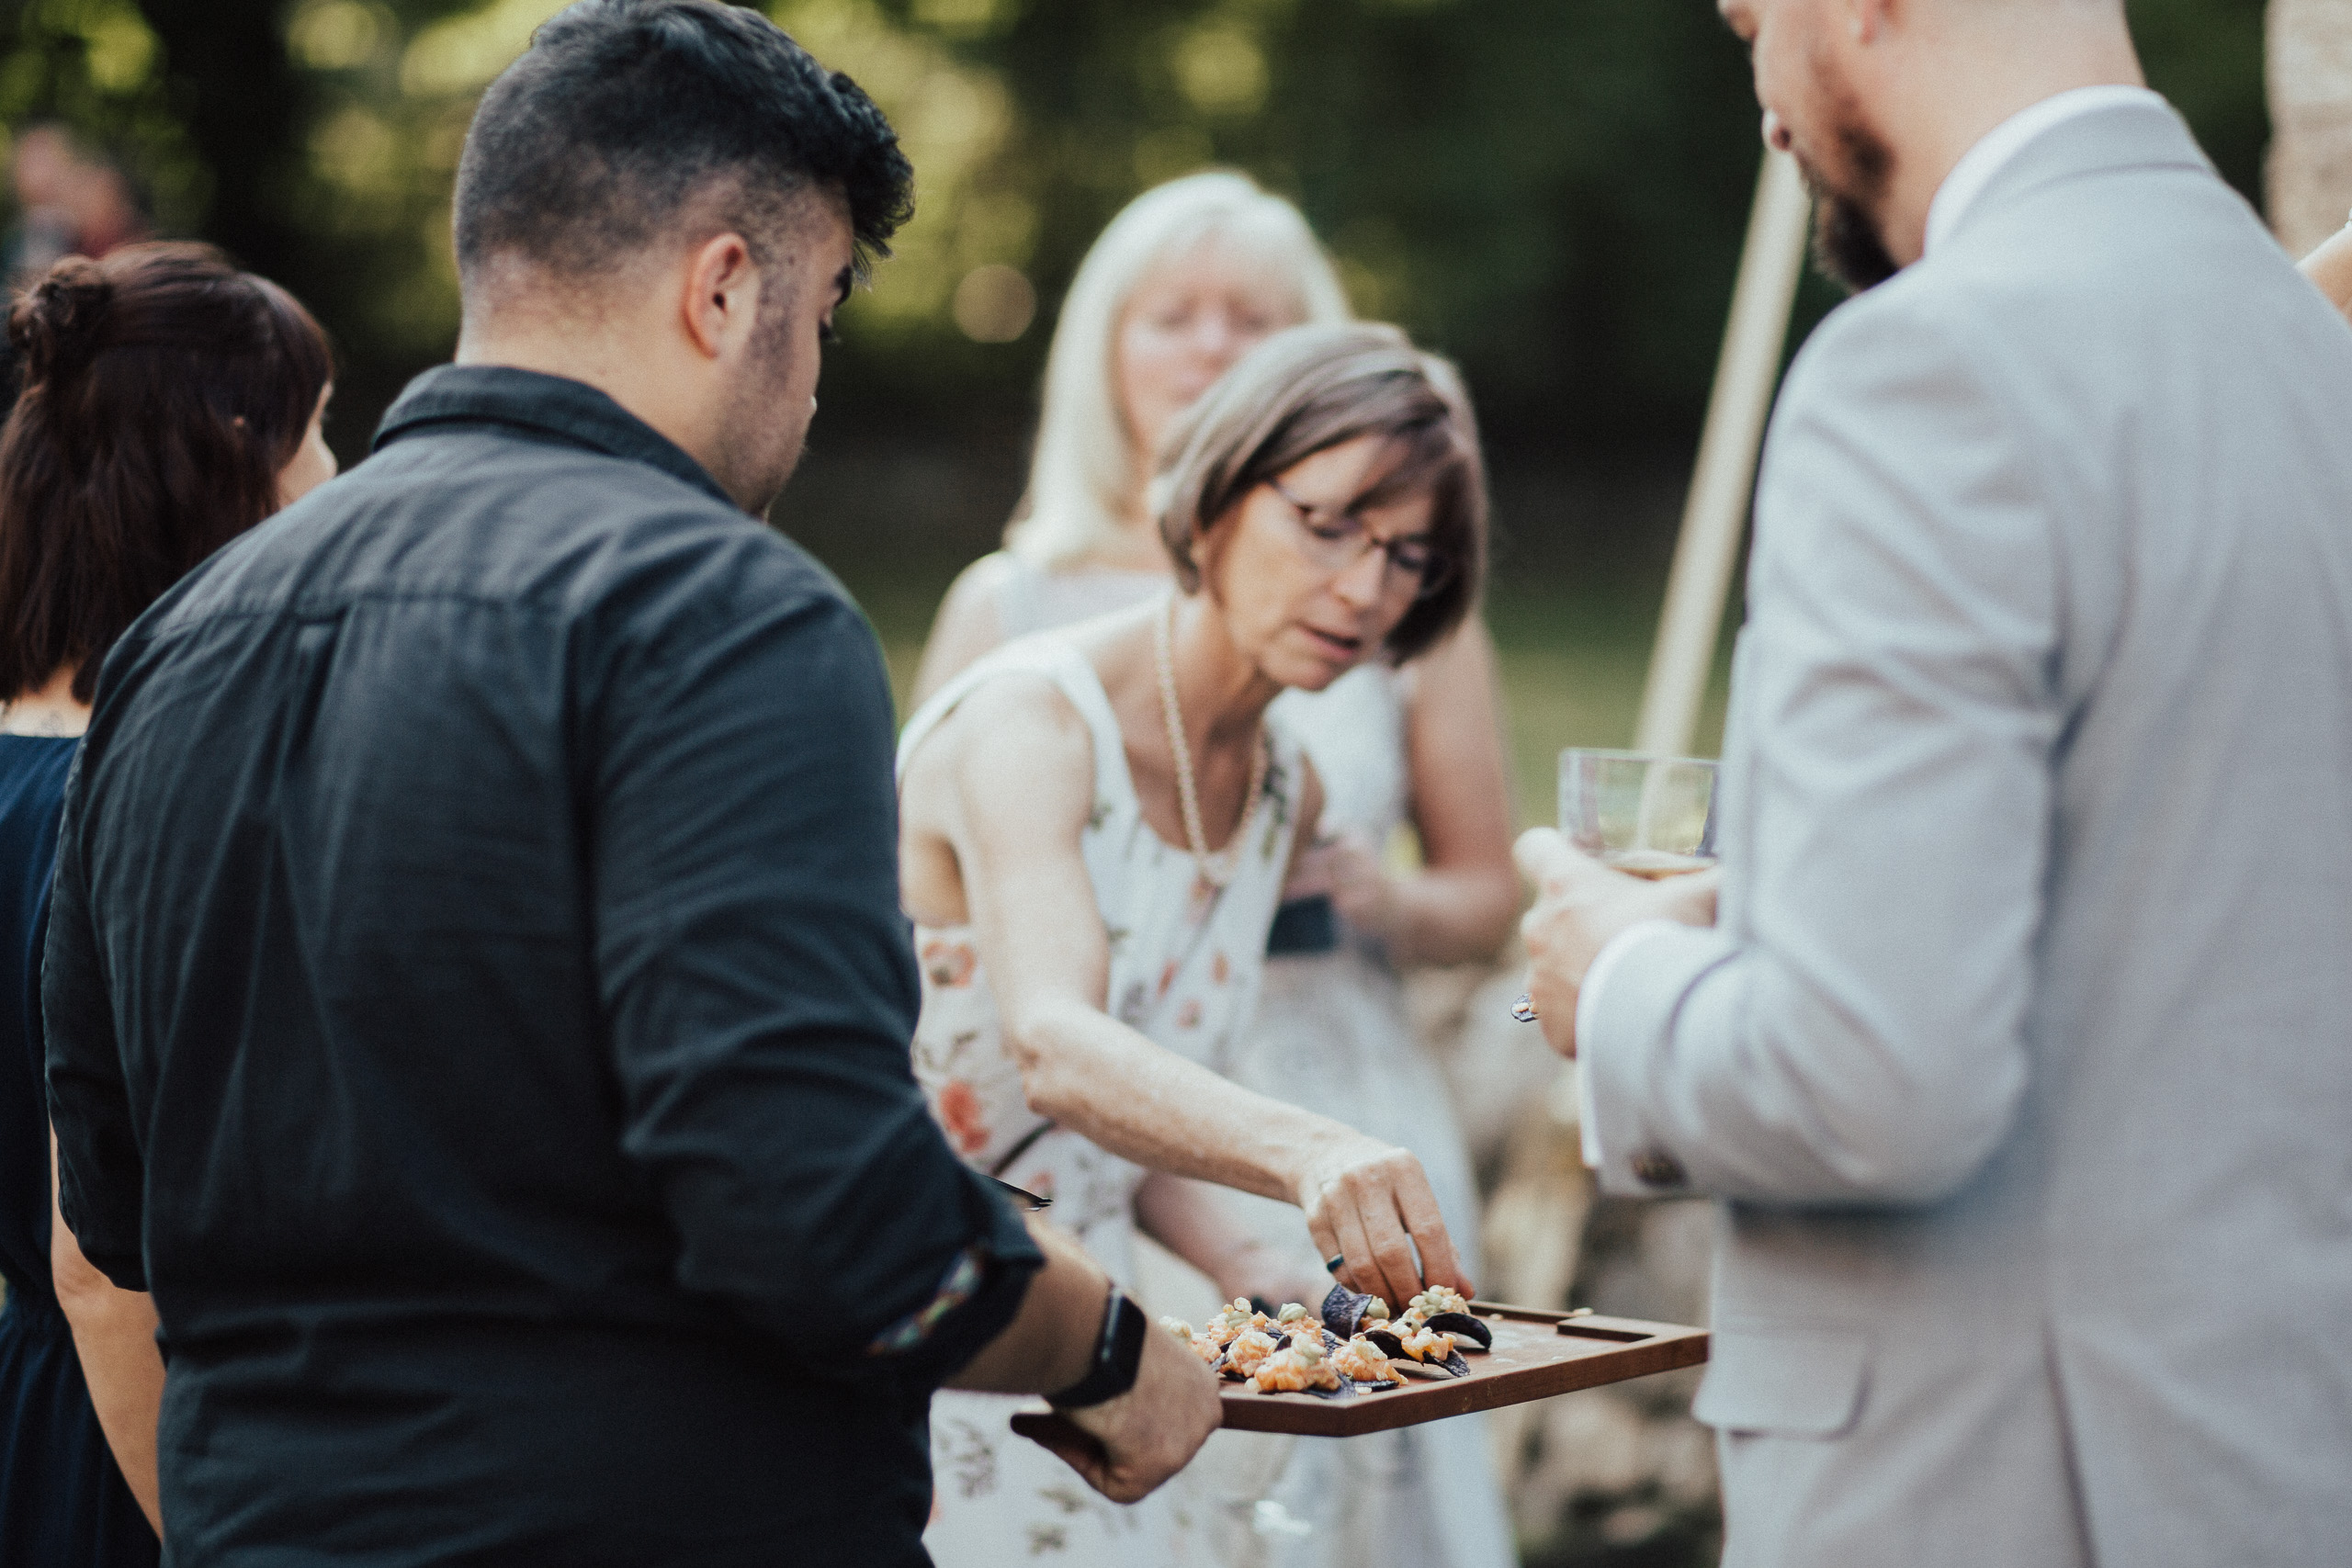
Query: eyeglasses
{"x": 1335, "y": 539}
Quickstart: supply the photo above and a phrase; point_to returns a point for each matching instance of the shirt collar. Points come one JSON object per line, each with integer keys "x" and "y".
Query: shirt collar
{"x": 553, "y": 406}
{"x": 1975, "y": 170}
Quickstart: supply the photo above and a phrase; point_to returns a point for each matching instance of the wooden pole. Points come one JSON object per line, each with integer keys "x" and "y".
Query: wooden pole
{"x": 1546, "y": 1177}
{"x": 1715, "y": 517}
{"x": 1547, "y": 1188}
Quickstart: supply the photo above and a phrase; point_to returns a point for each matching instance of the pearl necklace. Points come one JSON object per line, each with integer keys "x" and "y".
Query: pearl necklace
{"x": 1216, "y": 869}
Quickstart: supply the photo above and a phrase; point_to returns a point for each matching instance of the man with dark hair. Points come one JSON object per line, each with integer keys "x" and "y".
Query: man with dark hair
{"x": 477, "y": 993}
{"x": 622, "y": 118}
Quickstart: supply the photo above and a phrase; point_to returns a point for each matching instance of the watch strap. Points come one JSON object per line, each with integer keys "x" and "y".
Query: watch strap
{"x": 1118, "y": 1354}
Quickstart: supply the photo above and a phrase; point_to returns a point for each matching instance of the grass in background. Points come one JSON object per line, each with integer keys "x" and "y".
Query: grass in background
{"x": 1573, "y": 666}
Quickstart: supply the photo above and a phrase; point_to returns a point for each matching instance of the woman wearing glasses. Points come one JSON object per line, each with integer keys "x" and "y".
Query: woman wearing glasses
{"x": 1183, "y": 283}
{"x": 1096, "y": 828}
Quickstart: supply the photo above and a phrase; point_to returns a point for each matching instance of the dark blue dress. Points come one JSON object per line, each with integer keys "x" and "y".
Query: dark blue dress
{"x": 62, "y": 1501}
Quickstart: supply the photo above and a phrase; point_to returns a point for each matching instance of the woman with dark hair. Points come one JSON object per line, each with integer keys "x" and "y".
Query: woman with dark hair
{"x": 171, "y": 402}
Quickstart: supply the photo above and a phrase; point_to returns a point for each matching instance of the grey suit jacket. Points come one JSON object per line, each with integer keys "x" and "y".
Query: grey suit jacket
{"x": 2023, "y": 1053}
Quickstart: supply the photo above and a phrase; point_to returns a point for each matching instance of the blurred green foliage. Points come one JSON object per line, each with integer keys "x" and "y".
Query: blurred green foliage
{"x": 1555, "y": 193}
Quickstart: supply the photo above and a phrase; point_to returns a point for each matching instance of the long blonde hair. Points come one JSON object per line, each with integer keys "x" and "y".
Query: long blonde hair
{"x": 1084, "y": 475}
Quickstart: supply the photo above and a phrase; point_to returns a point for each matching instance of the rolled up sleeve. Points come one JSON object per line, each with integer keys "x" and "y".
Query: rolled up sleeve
{"x": 760, "y": 987}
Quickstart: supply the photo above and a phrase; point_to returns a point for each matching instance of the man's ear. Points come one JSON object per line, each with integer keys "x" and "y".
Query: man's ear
{"x": 719, "y": 299}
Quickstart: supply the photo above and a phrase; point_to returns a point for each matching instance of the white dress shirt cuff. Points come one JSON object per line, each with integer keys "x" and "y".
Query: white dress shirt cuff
{"x": 1588, "y": 1014}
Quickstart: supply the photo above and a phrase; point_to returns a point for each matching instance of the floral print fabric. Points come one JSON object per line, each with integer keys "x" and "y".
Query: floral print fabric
{"x": 1185, "y": 964}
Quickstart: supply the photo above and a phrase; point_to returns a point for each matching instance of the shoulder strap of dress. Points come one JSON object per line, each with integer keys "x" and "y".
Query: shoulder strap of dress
{"x": 1058, "y": 660}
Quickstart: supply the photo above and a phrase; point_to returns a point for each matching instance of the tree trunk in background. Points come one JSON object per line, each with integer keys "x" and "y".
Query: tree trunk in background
{"x": 2310, "y": 110}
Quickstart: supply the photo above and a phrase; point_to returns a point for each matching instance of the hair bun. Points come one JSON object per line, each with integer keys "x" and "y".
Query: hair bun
{"x": 57, "y": 325}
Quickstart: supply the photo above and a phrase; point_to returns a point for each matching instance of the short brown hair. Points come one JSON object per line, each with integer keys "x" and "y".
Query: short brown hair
{"x": 1314, "y": 388}
{"x": 165, "y": 391}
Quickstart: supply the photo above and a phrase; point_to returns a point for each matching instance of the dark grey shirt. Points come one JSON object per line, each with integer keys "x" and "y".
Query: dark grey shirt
{"x": 478, "y": 1007}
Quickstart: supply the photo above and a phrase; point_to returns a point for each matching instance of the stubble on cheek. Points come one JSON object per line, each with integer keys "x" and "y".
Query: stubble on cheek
{"x": 768, "y": 426}
{"x": 1848, "y": 246}
{"x": 1847, "y": 168}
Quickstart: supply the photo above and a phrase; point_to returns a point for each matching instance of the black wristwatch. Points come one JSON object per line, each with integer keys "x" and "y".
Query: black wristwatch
{"x": 1117, "y": 1354}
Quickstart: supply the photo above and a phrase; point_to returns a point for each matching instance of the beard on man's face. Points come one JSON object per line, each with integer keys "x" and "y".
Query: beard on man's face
{"x": 765, "y": 432}
{"x": 1846, "y": 246}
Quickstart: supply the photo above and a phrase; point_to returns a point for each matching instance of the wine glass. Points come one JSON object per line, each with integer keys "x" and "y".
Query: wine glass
{"x": 1644, "y": 814}
{"x": 1647, "y": 816}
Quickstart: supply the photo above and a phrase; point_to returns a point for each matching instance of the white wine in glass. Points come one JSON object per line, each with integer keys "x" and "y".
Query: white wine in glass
{"x": 1647, "y": 816}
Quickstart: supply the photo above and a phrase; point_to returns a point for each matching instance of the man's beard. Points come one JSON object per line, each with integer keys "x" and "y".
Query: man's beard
{"x": 764, "y": 437}
{"x": 1846, "y": 246}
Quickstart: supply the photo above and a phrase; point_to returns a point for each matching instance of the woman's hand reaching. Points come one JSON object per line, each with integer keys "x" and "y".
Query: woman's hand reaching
{"x": 1369, "y": 1204}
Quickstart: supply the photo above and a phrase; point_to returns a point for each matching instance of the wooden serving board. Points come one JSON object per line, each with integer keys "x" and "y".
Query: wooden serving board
{"x": 1536, "y": 1355}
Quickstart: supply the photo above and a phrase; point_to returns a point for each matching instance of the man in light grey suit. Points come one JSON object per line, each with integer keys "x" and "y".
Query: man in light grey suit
{"x": 2023, "y": 1053}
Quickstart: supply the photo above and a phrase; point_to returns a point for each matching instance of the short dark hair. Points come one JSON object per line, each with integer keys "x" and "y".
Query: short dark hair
{"x": 1314, "y": 388}
{"x": 164, "y": 391}
{"x": 622, "y": 114}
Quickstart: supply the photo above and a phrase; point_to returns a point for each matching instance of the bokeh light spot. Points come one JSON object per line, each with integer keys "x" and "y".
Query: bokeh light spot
{"x": 995, "y": 303}
{"x": 334, "y": 35}
{"x": 959, "y": 19}
{"x": 1222, "y": 70}
{"x": 462, "y": 55}
{"x": 123, "y": 51}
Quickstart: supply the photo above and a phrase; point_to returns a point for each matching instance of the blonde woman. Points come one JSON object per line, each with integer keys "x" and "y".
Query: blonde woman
{"x": 1188, "y": 278}
{"x": 1177, "y": 287}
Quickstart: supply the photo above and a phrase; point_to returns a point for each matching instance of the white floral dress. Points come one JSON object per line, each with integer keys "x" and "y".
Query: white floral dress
{"x": 1186, "y": 960}
{"x": 1331, "y": 1035}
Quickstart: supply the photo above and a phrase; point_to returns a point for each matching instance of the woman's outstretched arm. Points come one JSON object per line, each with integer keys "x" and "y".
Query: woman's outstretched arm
{"x": 113, "y": 1333}
{"x": 993, "y": 806}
